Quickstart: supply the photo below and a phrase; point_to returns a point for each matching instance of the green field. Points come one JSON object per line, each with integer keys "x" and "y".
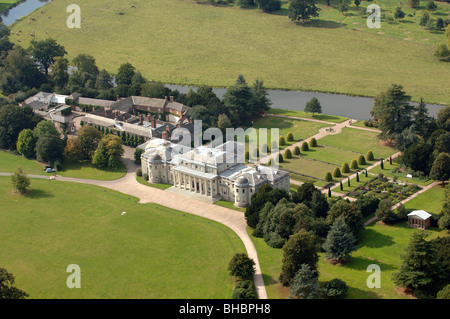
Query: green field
{"x": 6, "y": 4}
{"x": 182, "y": 42}
{"x": 358, "y": 141}
{"x": 9, "y": 162}
{"x": 379, "y": 244}
{"x": 430, "y": 201}
{"x": 150, "y": 252}
{"x": 388, "y": 170}
{"x": 307, "y": 167}
{"x": 333, "y": 155}
{"x": 322, "y": 117}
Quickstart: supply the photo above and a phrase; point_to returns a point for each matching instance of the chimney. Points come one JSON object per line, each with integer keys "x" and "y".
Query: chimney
{"x": 164, "y": 135}
{"x": 148, "y": 118}
{"x": 106, "y": 112}
{"x": 171, "y": 99}
{"x": 165, "y": 98}
{"x": 153, "y": 121}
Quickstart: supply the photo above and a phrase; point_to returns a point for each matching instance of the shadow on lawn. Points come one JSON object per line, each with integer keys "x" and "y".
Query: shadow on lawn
{"x": 374, "y": 239}
{"x": 38, "y": 193}
{"x": 361, "y": 263}
{"x": 319, "y": 23}
{"x": 356, "y": 293}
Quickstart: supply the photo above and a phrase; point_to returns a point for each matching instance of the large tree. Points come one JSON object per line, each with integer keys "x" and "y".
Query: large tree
{"x": 125, "y": 74}
{"x": 441, "y": 168}
{"x": 26, "y": 142}
{"x": 300, "y": 249}
{"x": 422, "y": 120}
{"x": 305, "y": 284}
{"x": 45, "y": 51}
{"x": 352, "y": 216}
{"x": 302, "y": 10}
{"x": 241, "y": 266}
{"x": 340, "y": 241}
{"x": 261, "y": 94}
{"x": 7, "y": 290}
{"x": 89, "y": 137}
{"x": 60, "y": 75}
{"x": 420, "y": 271}
{"x": 443, "y": 118}
{"x": 419, "y": 157}
{"x": 49, "y": 148}
{"x": 109, "y": 152}
{"x": 392, "y": 111}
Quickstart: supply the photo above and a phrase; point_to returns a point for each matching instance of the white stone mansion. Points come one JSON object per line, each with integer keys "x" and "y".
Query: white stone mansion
{"x": 214, "y": 173}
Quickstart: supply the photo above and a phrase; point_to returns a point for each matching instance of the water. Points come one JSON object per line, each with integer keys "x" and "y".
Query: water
{"x": 355, "y": 107}
{"x": 23, "y": 9}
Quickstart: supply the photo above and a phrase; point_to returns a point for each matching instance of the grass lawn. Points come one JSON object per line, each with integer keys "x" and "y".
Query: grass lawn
{"x": 353, "y": 183}
{"x": 9, "y": 162}
{"x": 361, "y": 124}
{"x": 358, "y": 141}
{"x": 150, "y": 252}
{"x": 141, "y": 180}
{"x": 322, "y": 117}
{"x": 333, "y": 155}
{"x": 307, "y": 167}
{"x": 230, "y": 205}
{"x": 430, "y": 201}
{"x": 184, "y": 48}
{"x": 388, "y": 171}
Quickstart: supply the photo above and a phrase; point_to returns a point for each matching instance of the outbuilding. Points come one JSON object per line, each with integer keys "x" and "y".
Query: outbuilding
{"x": 419, "y": 219}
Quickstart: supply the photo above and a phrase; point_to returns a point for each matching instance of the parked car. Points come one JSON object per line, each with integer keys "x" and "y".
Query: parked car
{"x": 50, "y": 170}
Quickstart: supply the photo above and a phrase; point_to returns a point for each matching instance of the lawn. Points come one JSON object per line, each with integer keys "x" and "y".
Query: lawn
{"x": 322, "y": 117}
{"x": 6, "y": 4}
{"x": 141, "y": 180}
{"x": 430, "y": 201}
{"x": 230, "y": 205}
{"x": 71, "y": 168}
{"x": 307, "y": 167}
{"x": 358, "y": 141}
{"x": 149, "y": 252}
{"x": 353, "y": 183}
{"x": 183, "y": 42}
{"x": 379, "y": 244}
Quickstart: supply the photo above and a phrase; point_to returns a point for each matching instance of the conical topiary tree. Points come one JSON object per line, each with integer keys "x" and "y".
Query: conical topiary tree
{"x": 345, "y": 168}
{"x": 354, "y": 164}
{"x": 337, "y": 172}
{"x": 287, "y": 154}
{"x": 304, "y": 147}
{"x": 281, "y": 140}
{"x": 369, "y": 156}
{"x": 297, "y": 150}
{"x": 361, "y": 160}
{"x": 313, "y": 142}
{"x": 290, "y": 137}
{"x": 280, "y": 158}
{"x": 328, "y": 177}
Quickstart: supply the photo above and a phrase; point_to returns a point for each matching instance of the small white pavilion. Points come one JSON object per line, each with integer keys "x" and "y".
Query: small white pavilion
{"x": 419, "y": 219}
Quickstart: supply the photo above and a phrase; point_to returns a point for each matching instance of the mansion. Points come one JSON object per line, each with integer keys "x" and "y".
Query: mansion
{"x": 214, "y": 173}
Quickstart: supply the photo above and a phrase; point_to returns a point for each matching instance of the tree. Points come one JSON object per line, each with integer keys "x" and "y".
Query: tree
{"x": 73, "y": 148}
{"x": 288, "y": 154}
{"x": 385, "y": 213}
{"x": 26, "y": 142}
{"x": 369, "y": 156}
{"x": 289, "y": 137}
{"x": 352, "y": 216}
{"x": 125, "y": 74}
{"x": 343, "y": 6}
{"x": 420, "y": 271}
{"x": 300, "y": 249}
{"x": 304, "y": 147}
{"x": 392, "y": 111}
{"x": 444, "y": 218}
{"x": 444, "y": 293}
{"x": 281, "y": 140}
{"x": 49, "y": 148}
{"x": 431, "y": 5}
{"x": 268, "y": 5}
{"x": 7, "y": 290}
{"x": 419, "y": 157}
{"x": 305, "y": 284}
{"x": 109, "y": 152}
{"x": 335, "y": 288}
{"x": 340, "y": 241}
{"x": 328, "y": 177}
{"x": 85, "y": 63}
{"x": 245, "y": 3}
{"x": 421, "y": 120}
{"x": 223, "y": 122}
{"x": 442, "y": 51}
{"x": 313, "y": 106}
{"x": 45, "y": 127}
{"x": 260, "y": 93}
{"x": 45, "y": 51}
{"x": 302, "y": 9}
{"x": 258, "y": 200}
{"x": 440, "y": 24}
{"x": 104, "y": 80}
{"x": 354, "y": 164}
{"x": 425, "y": 18}
{"x": 345, "y": 168}
{"x": 399, "y": 14}
{"x": 361, "y": 160}
{"x": 60, "y": 76}
{"x": 20, "y": 181}
{"x": 357, "y": 3}
{"x": 241, "y": 266}
{"x": 367, "y": 204}
{"x": 244, "y": 290}
{"x": 296, "y": 150}
{"x": 443, "y": 117}
{"x": 313, "y": 142}
{"x": 441, "y": 168}
{"x": 89, "y": 137}
{"x": 337, "y": 172}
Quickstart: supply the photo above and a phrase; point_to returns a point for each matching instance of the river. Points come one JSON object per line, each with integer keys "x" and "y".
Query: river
{"x": 21, "y": 10}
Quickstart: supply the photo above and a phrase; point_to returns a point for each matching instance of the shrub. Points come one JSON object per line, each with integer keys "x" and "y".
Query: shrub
{"x": 139, "y": 172}
{"x": 335, "y": 288}
{"x": 281, "y": 140}
{"x": 426, "y": 15}
{"x": 431, "y": 6}
{"x": 361, "y": 160}
{"x": 444, "y": 293}
{"x": 290, "y": 137}
{"x": 337, "y": 172}
{"x": 369, "y": 156}
{"x": 288, "y": 154}
{"x": 345, "y": 168}
{"x": 146, "y": 177}
{"x": 328, "y": 177}
{"x": 297, "y": 150}
{"x": 313, "y": 142}
{"x": 304, "y": 147}
{"x": 354, "y": 164}
{"x": 280, "y": 158}
{"x": 244, "y": 290}
{"x": 20, "y": 181}
{"x": 241, "y": 266}
{"x": 274, "y": 145}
